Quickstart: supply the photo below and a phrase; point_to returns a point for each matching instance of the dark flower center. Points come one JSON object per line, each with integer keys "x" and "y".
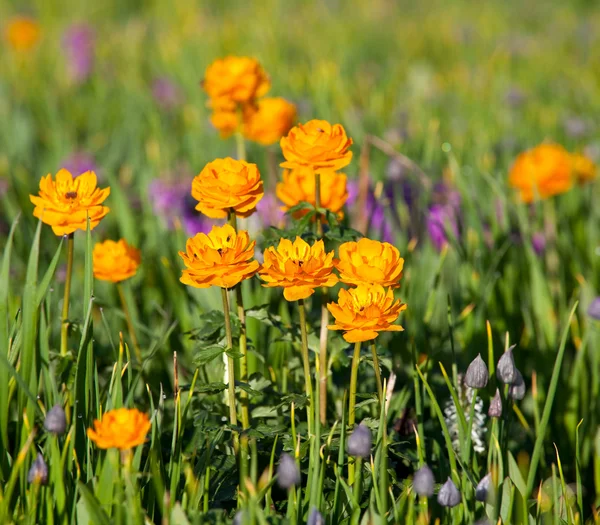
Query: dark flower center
{"x": 71, "y": 195}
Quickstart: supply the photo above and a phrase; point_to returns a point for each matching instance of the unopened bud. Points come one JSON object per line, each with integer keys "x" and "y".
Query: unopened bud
{"x": 423, "y": 481}
{"x": 594, "y": 309}
{"x": 38, "y": 473}
{"x": 448, "y": 496}
{"x": 483, "y": 487}
{"x": 288, "y": 474}
{"x": 315, "y": 518}
{"x": 477, "y": 374}
{"x": 495, "y": 409}
{"x": 359, "y": 442}
{"x": 56, "y": 421}
{"x": 506, "y": 369}
{"x": 517, "y": 389}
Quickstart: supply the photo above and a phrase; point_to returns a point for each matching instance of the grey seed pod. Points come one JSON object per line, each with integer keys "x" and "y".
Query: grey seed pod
{"x": 594, "y": 309}
{"x": 495, "y": 409}
{"x": 477, "y": 374}
{"x": 483, "y": 487}
{"x": 448, "y": 496}
{"x": 288, "y": 474}
{"x": 38, "y": 473}
{"x": 359, "y": 442}
{"x": 517, "y": 389}
{"x": 315, "y": 518}
{"x": 423, "y": 481}
{"x": 506, "y": 369}
{"x": 56, "y": 420}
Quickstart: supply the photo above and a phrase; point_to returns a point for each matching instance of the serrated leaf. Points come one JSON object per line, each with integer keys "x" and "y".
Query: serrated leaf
{"x": 207, "y": 354}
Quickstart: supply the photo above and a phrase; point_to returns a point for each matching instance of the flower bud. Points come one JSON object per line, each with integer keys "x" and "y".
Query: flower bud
{"x": 56, "y": 421}
{"x": 495, "y": 409}
{"x": 448, "y": 496}
{"x": 359, "y": 442}
{"x": 288, "y": 474}
{"x": 240, "y": 517}
{"x": 315, "y": 518}
{"x": 594, "y": 309}
{"x": 506, "y": 369}
{"x": 423, "y": 481}
{"x": 517, "y": 389}
{"x": 483, "y": 487}
{"x": 477, "y": 374}
{"x": 38, "y": 473}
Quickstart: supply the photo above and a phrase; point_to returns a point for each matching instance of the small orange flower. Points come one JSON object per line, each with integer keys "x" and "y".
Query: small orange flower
{"x": 67, "y": 203}
{"x": 122, "y": 428}
{"x": 298, "y": 268}
{"x": 235, "y": 79}
{"x": 227, "y": 184}
{"x": 271, "y": 120}
{"x": 583, "y": 168}
{"x": 542, "y": 172}
{"x": 364, "y": 311}
{"x": 317, "y": 145}
{"x": 299, "y": 186}
{"x": 22, "y": 33}
{"x": 369, "y": 262}
{"x": 226, "y": 119}
{"x": 115, "y": 261}
{"x": 222, "y": 258}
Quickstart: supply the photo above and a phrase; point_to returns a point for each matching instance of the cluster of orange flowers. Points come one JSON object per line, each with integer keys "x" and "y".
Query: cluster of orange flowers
{"x": 235, "y": 86}
{"x": 548, "y": 170}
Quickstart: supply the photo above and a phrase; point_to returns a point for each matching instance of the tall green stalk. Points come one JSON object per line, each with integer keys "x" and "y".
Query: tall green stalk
{"x": 377, "y": 371}
{"x": 352, "y": 401}
{"x": 64, "y": 328}
{"x": 306, "y": 363}
{"x": 230, "y": 364}
{"x": 134, "y": 340}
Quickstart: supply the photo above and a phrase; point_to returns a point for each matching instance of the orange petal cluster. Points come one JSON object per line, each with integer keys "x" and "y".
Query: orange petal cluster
{"x": 227, "y": 184}
{"x": 222, "y": 258}
{"x": 122, "y": 428}
{"x": 298, "y": 268}
{"x": 115, "y": 261}
{"x": 271, "y": 120}
{"x": 364, "y": 311}
{"x": 584, "y": 169}
{"x": 317, "y": 145}
{"x": 66, "y": 204}
{"x": 22, "y": 33}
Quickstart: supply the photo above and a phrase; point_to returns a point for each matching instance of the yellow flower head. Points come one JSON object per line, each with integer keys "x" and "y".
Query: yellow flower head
{"x": 235, "y": 79}
{"x": 222, "y": 258}
{"x": 22, "y": 33}
{"x": 122, "y": 428}
{"x": 298, "y": 268}
{"x": 542, "y": 172}
{"x": 271, "y": 120}
{"x": 226, "y": 119}
{"x": 227, "y": 184}
{"x": 115, "y": 261}
{"x": 67, "y": 203}
{"x": 583, "y": 168}
{"x": 299, "y": 186}
{"x": 364, "y": 311}
{"x": 369, "y": 262}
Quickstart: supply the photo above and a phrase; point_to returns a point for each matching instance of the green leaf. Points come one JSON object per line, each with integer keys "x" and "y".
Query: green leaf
{"x": 96, "y": 514}
{"x": 207, "y": 354}
{"x": 210, "y": 388}
{"x": 45, "y": 283}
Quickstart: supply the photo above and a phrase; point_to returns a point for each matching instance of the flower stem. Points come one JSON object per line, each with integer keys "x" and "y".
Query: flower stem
{"x": 64, "y": 329}
{"x": 306, "y": 363}
{"x": 240, "y": 145}
{"x": 323, "y": 358}
{"x": 230, "y": 363}
{"x": 352, "y": 402}
{"x": 136, "y": 346}
{"x": 318, "y": 203}
{"x": 377, "y": 371}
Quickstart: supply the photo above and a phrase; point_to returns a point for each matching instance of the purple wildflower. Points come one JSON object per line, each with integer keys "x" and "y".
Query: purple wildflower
{"x": 79, "y": 162}
{"x": 594, "y": 309}
{"x": 443, "y": 215}
{"x": 378, "y": 224}
{"x": 79, "y": 46}
{"x": 166, "y": 93}
{"x": 538, "y": 241}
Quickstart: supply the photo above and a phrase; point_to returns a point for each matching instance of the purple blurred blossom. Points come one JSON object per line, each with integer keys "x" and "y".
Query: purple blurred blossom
{"x": 575, "y": 127}
{"x": 514, "y": 97}
{"x": 79, "y": 162}
{"x": 166, "y": 93}
{"x": 3, "y": 186}
{"x": 378, "y": 225}
{"x": 269, "y": 212}
{"x": 443, "y": 215}
{"x": 594, "y": 309}
{"x": 538, "y": 241}
{"x": 79, "y": 45}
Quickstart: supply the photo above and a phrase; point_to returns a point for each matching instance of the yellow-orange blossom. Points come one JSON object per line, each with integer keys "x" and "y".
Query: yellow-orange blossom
{"x": 115, "y": 261}
{"x": 122, "y": 428}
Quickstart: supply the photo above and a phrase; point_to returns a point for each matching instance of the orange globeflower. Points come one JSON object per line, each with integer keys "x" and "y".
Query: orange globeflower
{"x": 271, "y": 120}
{"x": 364, "y": 311}
{"x": 583, "y": 168}
{"x": 542, "y": 172}
{"x": 299, "y": 186}
{"x": 67, "y": 203}
{"x": 369, "y": 262}
{"x": 22, "y": 33}
{"x": 115, "y": 261}
{"x": 225, "y": 118}
{"x": 122, "y": 428}
{"x": 227, "y": 184}
{"x": 298, "y": 268}
{"x": 236, "y": 79}
{"x": 222, "y": 258}
{"x": 317, "y": 145}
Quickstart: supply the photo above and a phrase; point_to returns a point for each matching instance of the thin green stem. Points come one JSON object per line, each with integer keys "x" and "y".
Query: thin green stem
{"x": 240, "y": 145}
{"x": 323, "y": 368}
{"x": 318, "y": 204}
{"x": 64, "y": 329}
{"x": 377, "y": 371}
{"x": 352, "y": 401}
{"x": 306, "y": 363}
{"x": 130, "y": 328}
{"x": 230, "y": 363}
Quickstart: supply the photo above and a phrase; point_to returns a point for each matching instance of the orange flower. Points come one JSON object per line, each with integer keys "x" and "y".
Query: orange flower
{"x": 67, "y": 203}
{"x": 115, "y": 261}
{"x": 542, "y": 172}
{"x": 122, "y": 428}
{"x": 583, "y": 168}
{"x": 222, "y": 258}
{"x": 227, "y": 184}
{"x": 364, "y": 311}
{"x": 298, "y": 268}
{"x": 299, "y": 186}
{"x": 369, "y": 262}
{"x": 235, "y": 79}
{"x": 225, "y": 118}
{"x": 272, "y": 119}
{"x": 317, "y": 145}
{"x": 22, "y": 33}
